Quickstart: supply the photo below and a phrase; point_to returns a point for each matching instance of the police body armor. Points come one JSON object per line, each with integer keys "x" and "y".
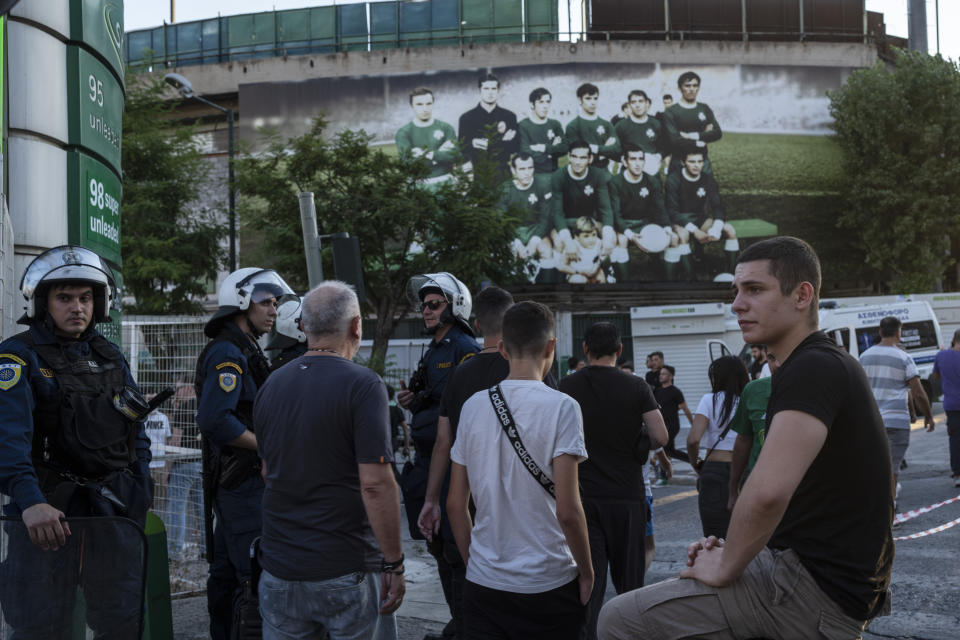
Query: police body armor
{"x": 82, "y": 439}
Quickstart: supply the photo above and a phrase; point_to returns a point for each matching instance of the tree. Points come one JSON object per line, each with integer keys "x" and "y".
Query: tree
{"x": 170, "y": 249}
{"x": 899, "y": 128}
{"x": 382, "y": 201}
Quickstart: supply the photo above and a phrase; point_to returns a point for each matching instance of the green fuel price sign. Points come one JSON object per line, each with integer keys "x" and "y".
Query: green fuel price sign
{"x": 95, "y": 106}
{"x": 99, "y": 24}
{"x": 94, "y": 206}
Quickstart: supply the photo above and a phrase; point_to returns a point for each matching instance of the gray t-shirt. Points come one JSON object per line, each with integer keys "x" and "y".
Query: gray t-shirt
{"x": 316, "y": 419}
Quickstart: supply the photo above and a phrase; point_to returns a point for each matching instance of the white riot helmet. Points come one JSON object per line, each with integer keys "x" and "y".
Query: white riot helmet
{"x": 287, "y": 326}
{"x": 67, "y": 264}
{"x": 459, "y": 300}
{"x": 243, "y": 286}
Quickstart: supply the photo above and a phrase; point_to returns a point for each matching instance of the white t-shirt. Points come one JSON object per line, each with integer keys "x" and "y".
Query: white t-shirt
{"x": 157, "y": 427}
{"x": 711, "y": 405}
{"x": 517, "y": 544}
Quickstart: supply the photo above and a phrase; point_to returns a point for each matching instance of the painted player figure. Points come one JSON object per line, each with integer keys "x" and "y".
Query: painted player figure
{"x": 541, "y": 136}
{"x": 230, "y": 370}
{"x": 593, "y": 129}
{"x": 488, "y": 130}
{"x": 425, "y": 137}
{"x": 535, "y": 200}
{"x": 644, "y": 132}
{"x": 72, "y": 444}
{"x": 690, "y": 124}
{"x": 637, "y": 201}
{"x": 696, "y": 211}
{"x": 580, "y": 189}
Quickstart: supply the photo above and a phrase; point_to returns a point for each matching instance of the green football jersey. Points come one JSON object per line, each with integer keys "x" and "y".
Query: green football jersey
{"x": 536, "y": 203}
{"x": 750, "y": 417}
{"x": 636, "y": 204}
{"x": 549, "y": 134}
{"x": 681, "y": 119}
{"x": 587, "y": 196}
{"x": 596, "y": 132}
{"x": 647, "y": 135}
{"x": 438, "y": 139}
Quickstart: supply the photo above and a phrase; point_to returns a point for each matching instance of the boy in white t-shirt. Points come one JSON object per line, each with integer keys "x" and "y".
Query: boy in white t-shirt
{"x": 529, "y": 573}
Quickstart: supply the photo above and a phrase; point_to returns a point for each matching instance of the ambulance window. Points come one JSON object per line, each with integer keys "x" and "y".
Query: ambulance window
{"x": 867, "y": 337}
{"x": 842, "y": 338}
{"x": 919, "y": 335}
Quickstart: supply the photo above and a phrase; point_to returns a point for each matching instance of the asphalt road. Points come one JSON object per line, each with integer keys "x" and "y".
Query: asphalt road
{"x": 926, "y": 573}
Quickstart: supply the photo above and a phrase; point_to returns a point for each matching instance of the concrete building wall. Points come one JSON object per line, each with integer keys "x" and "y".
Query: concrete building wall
{"x": 226, "y": 78}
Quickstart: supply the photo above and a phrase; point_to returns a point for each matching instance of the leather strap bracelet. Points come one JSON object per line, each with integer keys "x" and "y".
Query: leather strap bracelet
{"x": 392, "y": 567}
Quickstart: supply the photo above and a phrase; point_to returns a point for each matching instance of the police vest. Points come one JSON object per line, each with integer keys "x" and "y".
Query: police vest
{"x": 83, "y": 433}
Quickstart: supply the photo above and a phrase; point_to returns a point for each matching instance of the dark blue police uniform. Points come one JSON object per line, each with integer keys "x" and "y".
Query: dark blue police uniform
{"x": 64, "y": 443}
{"x": 435, "y": 367}
{"x": 230, "y": 371}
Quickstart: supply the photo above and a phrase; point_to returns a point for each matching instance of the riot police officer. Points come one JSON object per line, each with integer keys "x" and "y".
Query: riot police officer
{"x": 72, "y": 444}
{"x": 289, "y": 338}
{"x": 445, "y": 303}
{"x": 230, "y": 370}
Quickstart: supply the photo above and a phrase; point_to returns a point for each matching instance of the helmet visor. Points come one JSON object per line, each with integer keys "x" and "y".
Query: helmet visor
{"x": 267, "y": 284}
{"x": 419, "y": 286}
{"x": 66, "y": 263}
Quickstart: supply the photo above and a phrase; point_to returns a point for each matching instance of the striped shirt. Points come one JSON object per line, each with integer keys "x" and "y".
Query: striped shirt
{"x": 889, "y": 370}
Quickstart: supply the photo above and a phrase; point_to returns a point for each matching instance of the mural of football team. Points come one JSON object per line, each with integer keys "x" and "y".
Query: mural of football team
{"x": 618, "y": 172}
{"x": 601, "y": 202}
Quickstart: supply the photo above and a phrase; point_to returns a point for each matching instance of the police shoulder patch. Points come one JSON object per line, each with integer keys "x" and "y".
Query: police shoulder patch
{"x": 225, "y": 365}
{"x": 467, "y": 357}
{"x": 10, "y": 373}
{"x": 228, "y": 381}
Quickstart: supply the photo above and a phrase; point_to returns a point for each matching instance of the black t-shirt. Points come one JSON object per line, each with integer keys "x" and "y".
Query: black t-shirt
{"x": 613, "y": 403}
{"x": 316, "y": 419}
{"x": 670, "y": 398}
{"x": 653, "y": 378}
{"x": 755, "y": 368}
{"x": 839, "y": 519}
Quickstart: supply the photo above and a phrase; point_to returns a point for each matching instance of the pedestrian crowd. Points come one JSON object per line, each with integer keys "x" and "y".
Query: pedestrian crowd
{"x": 528, "y": 491}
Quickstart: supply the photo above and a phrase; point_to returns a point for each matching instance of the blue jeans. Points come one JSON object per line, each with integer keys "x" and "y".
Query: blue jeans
{"x": 348, "y": 608}
{"x": 184, "y": 499}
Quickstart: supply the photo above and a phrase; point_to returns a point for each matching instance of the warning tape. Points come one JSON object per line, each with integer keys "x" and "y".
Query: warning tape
{"x": 928, "y": 532}
{"x": 910, "y": 515}
{"x": 913, "y": 513}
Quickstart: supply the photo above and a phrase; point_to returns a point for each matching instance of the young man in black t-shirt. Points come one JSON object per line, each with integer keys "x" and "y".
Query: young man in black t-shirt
{"x": 615, "y": 406}
{"x": 805, "y": 511}
{"x": 654, "y": 364}
{"x": 671, "y": 402}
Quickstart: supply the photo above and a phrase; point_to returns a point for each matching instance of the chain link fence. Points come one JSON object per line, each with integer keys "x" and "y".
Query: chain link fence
{"x": 162, "y": 352}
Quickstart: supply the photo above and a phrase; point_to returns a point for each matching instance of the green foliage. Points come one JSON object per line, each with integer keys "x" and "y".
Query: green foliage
{"x": 380, "y": 200}
{"x": 899, "y": 129}
{"x": 169, "y": 251}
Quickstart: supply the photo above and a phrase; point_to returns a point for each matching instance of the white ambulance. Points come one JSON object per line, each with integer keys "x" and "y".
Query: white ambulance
{"x": 857, "y": 328}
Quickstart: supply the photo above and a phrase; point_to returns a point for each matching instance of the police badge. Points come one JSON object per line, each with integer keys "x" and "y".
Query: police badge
{"x": 9, "y": 375}
{"x": 228, "y": 381}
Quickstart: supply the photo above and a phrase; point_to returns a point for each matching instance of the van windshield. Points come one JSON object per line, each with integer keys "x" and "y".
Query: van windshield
{"x": 916, "y": 336}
